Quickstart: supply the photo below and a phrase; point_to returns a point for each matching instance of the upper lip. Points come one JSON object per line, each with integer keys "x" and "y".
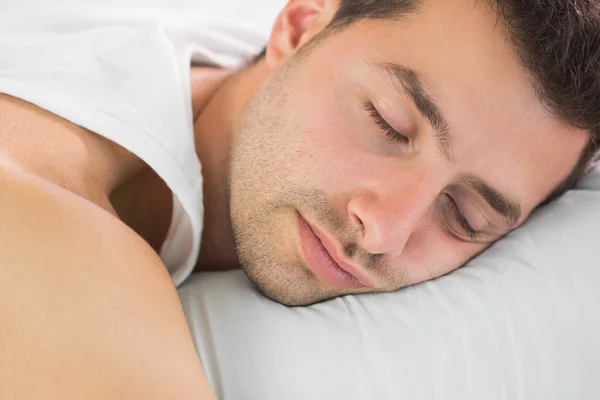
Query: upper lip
{"x": 333, "y": 253}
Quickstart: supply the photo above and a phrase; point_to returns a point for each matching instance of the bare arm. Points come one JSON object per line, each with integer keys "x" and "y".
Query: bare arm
{"x": 87, "y": 309}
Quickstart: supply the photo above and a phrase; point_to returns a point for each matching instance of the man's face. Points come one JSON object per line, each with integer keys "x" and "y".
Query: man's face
{"x": 391, "y": 153}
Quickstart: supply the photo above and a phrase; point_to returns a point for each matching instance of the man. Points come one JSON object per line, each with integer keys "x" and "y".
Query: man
{"x": 376, "y": 144}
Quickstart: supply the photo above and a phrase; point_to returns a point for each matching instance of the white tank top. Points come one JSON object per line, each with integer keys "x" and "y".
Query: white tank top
{"x": 126, "y": 76}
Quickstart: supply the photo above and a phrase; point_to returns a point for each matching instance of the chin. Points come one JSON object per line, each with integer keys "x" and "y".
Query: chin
{"x": 296, "y": 288}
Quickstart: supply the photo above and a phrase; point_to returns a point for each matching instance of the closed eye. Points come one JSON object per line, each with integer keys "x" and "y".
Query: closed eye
{"x": 462, "y": 220}
{"x": 390, "y": 132}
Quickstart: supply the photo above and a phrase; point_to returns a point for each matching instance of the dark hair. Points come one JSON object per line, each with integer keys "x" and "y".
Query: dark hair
{"x": 557, "y": 41}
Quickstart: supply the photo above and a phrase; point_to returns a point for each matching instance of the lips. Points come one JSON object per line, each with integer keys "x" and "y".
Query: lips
{"x": 322, "y": 258}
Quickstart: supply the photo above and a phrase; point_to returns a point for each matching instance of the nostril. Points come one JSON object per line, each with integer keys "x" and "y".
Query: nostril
{"x": 358, "y": 223}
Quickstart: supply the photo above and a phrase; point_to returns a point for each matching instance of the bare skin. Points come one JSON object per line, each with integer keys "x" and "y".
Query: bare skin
{"x": 92, "y": 310}
{"x": 91, "y": 321}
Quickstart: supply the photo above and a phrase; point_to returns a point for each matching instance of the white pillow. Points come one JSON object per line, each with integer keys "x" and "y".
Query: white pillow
{"x": 521, "y": 321}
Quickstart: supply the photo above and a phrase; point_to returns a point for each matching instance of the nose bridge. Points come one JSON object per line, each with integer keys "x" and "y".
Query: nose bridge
{"x": 390, "y": 212}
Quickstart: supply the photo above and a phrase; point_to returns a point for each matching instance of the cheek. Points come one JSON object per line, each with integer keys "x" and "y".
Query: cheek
{"x": 325, "y": 126}
{"x": 335, "y": 161}
{"x": 431, "y": 253}
{"x": 331, "y": 133}
{"x": 333, "y": 140}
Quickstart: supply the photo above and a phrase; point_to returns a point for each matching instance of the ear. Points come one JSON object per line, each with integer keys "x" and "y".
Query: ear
{"x": 299, "y": 21}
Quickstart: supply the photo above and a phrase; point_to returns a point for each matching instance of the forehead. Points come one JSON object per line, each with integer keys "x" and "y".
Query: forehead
{"x": 500, "y": 130}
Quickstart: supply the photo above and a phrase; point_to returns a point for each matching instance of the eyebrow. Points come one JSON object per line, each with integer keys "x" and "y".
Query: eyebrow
{"x": 507, "y": 208}
{"x": 409, "y": 83}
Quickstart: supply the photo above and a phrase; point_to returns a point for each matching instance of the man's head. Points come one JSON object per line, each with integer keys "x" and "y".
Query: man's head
{"x": 397, "y": 139}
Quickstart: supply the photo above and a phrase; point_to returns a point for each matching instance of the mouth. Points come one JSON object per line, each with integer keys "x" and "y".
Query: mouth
{"x": 322, "y": 258}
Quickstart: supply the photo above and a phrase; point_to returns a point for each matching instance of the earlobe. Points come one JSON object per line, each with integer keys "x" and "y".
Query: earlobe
{"x": 299, "y": 21}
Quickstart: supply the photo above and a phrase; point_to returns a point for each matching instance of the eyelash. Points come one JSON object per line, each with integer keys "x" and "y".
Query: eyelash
{"x": 390, "y": 132}
{"x": 462, "y": 220}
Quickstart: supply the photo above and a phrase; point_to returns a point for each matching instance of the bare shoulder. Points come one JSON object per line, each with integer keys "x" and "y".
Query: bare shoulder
{"x": 87, "y": 308}
{"x": 60, "y": 151}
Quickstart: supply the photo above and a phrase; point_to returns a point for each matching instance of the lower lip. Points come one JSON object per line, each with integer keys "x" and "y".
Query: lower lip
{"x": 321, "y": 263}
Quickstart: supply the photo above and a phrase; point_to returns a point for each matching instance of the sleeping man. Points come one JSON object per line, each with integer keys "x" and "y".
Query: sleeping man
{"x": 375, "y": 144}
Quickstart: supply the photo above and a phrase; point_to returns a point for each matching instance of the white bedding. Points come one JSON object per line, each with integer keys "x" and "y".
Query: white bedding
{"x": 520, "y": 322}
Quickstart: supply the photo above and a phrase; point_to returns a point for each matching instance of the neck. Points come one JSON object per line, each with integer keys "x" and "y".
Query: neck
{"x": 218, "y": 114}
{"x": 143, "y": 201}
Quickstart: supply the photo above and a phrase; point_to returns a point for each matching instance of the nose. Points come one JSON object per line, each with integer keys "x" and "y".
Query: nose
{"x": 388, "y": 218}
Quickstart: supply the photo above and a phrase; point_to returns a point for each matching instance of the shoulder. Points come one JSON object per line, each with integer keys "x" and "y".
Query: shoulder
{"x": 88, "y": 309}
{"x": 55, "y": 149}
